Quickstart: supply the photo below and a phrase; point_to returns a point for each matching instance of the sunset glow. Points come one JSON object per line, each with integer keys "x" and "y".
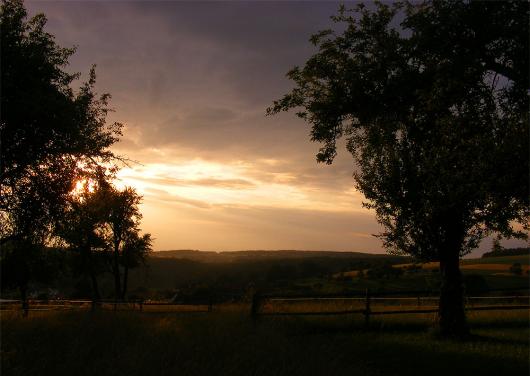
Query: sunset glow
{"x": 215, "y": 172}
{"x": 206, "y": 184}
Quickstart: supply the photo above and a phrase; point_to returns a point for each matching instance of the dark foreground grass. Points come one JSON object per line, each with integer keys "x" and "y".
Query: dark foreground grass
{"x": 224, "y": 343}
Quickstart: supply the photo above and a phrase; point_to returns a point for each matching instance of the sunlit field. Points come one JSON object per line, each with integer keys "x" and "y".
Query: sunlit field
{"x": 228, "y": 341}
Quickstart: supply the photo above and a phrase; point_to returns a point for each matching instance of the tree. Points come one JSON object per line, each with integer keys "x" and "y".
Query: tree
{"x": 496, "y": 246}
{"x": 36, "y": 264}
{"x": 82, "y": 230}
{"x": 127, "y": 246}
{"x": 432, "y": 100}
{"x": 49, "y": 134}
{"x": 136, "y": 248}
{"x": 101, "y": 225}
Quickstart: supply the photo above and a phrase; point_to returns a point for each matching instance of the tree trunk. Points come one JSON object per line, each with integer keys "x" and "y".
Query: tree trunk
{"x": 116, "y": 270}
{"x": 125, "y": 278}
{"x": 24, "y": 300}
{"x": 451, "y": 313}
{"x": 95, "y": 288}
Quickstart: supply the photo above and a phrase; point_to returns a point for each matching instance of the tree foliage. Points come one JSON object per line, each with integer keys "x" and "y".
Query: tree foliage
{"x": 435, "y": 112}
{"x": 128, "y": 247}
{"x": 101, "y": 225}
{"x": 49, "y": 134}
{"x": 81, "y": 230}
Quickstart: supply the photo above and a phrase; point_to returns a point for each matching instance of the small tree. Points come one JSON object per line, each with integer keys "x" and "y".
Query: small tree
{"x": 128, "y": 248}
{"x": 81, "y": 228}
{"x": 101, "y": 225}
{"x": 496, "y": 247}
{"x": 432, "y": 98}
{"x": 136, "y": 248}
{"x": 26, "y": 263}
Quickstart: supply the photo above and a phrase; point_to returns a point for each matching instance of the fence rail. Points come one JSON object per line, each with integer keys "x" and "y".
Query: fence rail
{"x": 368, "y": 302}
{"x": 368, "y": 305}
{"x": 382, "y": 293}
{"x": 132, "y": 305}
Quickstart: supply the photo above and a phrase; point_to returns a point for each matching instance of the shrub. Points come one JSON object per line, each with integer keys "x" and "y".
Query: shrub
{"x": 516, "y": 269}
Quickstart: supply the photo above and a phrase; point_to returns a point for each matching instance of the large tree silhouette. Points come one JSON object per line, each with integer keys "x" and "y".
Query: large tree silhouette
{"x": 432, "y": 100}
{"x": 50, "y": 134}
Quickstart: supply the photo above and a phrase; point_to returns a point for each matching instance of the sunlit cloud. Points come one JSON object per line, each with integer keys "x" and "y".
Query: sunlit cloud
{"x": 236, "y": 183}
{"x": 163, "y": 196}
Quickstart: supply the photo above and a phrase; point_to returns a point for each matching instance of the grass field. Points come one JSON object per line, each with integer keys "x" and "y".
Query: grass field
{"x": 230, "y": 343}
{"x": 522, "y": 259}
{"x": 484, "y": 266}
{"x": 503, "y": 263}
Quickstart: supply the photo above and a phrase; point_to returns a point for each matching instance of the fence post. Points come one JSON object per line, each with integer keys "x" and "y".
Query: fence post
{"x": 419, "y": 301}
{"x": 367, "y": 309}
{"x": 25, "y": 308}
{"x": 254, "y": 307}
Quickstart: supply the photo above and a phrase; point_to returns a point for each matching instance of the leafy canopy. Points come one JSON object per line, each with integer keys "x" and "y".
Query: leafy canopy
{"x": 432, "y": 100}
{"x": 101, "y": 219}
{"x": 49, "y": 134}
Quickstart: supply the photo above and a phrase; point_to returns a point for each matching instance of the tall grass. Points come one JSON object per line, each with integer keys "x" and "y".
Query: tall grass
{"x": 230, "y": 343}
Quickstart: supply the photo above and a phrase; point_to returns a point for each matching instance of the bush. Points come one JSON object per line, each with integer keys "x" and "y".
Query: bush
{"x": 413, "y": 268}
{"x": 475, "y": 284}
{"x": 384, "y": 271}
{"x": 516, "y": 269}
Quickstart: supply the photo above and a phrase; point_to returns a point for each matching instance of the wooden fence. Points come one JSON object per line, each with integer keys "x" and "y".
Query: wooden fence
{"x": 131, "y": 305}
{"x": 263, "y": 305}
{"x": 270, "y": 305}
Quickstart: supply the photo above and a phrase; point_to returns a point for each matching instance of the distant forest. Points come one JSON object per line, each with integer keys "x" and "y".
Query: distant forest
{"x": 507, "y": 252}
{"x": 259, "y": 255}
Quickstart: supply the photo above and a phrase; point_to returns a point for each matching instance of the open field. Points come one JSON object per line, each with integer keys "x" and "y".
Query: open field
{"x": 491, "y": 263}
{"x": 488, "y": 266}
{"x": 230, "y": 343}
{"x": 167, "y": 340}
{"x": 522, "y": 259}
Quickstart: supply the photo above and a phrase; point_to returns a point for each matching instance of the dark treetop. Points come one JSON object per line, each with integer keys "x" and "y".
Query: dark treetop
{"x": 435, "y": 113}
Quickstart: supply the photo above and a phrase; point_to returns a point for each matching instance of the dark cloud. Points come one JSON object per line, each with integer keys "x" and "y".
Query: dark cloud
{"x": 193, "y": 75}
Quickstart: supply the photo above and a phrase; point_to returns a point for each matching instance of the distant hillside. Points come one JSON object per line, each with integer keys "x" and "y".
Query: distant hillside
{"x": 188, "y": 254}
{"x": 233, "y": 272}
{"x": 507, "y": 252}
{"x": 263, "y": 255}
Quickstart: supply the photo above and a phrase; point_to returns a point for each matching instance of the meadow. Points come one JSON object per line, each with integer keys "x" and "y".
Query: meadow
{"x": 169, "y": 340}
{"x": 228, "y": 342}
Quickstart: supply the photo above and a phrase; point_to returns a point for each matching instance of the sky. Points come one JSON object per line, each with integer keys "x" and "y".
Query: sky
{"x": 191, "y": 82}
